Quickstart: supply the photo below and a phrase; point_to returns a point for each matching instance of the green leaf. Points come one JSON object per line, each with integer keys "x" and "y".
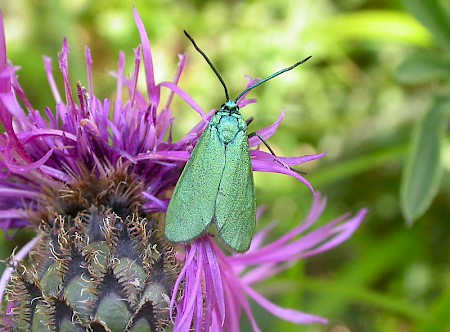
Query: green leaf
{"x": 423, "y": 68}
{"x": 423, "y": 169}
{"x": 437, "y": 313}
{"x": 434, "y": 17}
{"x": 386, "y": 26}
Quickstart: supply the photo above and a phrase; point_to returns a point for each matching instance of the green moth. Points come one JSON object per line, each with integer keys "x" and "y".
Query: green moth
{"x": 216, "y": 184}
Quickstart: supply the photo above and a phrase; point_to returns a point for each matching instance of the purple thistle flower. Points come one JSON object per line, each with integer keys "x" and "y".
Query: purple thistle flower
{"x": 216, "y": 286}
{"x": 41, "y": 151}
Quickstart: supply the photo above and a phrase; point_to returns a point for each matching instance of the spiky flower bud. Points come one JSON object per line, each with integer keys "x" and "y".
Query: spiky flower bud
{"x": 100, "y": 263}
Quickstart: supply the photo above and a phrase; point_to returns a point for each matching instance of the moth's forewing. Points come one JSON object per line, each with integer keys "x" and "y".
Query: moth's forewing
{"x": 192, "y": 206}
{"x": 235, "y": 214}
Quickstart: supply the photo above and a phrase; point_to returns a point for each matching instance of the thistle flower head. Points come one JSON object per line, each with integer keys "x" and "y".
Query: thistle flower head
{"x": 87, "y": 177}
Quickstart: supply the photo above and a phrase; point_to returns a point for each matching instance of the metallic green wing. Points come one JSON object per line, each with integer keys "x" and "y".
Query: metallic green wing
{"x": 235, "y": 215}
{"x": 192, "y": 206}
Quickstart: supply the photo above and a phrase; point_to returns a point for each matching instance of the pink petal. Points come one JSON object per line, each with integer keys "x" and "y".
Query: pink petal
{"x": 119, "y": 93}
{"x": 51, "y": 79}
{"x": 290, "y": 315}
{"x": 275, "y": 167}
{"x": 25, "y": 168}
{"x": 2, "y": 48}
{"x": 64, "y": 67}
{"x": 216, "y": 278}
{"x": 266, "y": 133}
{"x": 13, "y": 214}
{"x": 189, "y": 258}
{"x": 10, "y": 192}
{"x": 185, "y": 319}
{"x": 181, "y": 65}
{"x": 188, "y": 99}
{"x": 343, "y": 233}
{"x": 164, "y": 155}
{"x": 89, "y": 62}
{"x": 152, "y": 89}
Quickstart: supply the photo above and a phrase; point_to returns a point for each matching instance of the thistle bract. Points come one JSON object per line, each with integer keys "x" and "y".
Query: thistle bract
{"x": 98, "y": 263}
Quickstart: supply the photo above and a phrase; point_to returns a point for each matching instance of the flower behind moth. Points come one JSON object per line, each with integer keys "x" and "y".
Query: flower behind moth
{"x": 216, "y": 286}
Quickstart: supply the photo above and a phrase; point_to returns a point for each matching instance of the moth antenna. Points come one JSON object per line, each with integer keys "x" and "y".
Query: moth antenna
{"x": 270, "y": 77}
{"x": 210, "y": 64}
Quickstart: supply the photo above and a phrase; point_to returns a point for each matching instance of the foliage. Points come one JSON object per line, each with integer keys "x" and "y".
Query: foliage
{"x": 423, "y": 170}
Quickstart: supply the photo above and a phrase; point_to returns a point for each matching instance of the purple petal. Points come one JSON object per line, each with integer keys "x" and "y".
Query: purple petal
{"x": 10, "y": 101}
{"x": 21, "y": 94}
{"x": 181, "y": 65}
{"x": 137, "y": 64}
{"x": 343, "y": 233}
{"x": 245, "y": 305}
{"x": 266, "y": 133}
{"x": 275, "y": 167}
{"x": 13, "y": 213}
{"x": 188, "y": 99}
{"x": 190, "y": 255}
{"x": 89, "y": 62}
{"x": 13, "y": 141}
{"x": 152, "y": 89}
{"x": 259, "y": 237}
{"x": 119, "y": 93}
{"x": 286, "y": 161}
{"x": 164, "y": 155}
{"x": 294, "y": 161}
{"x": 56, "y": 173}
{"x": 184, "y": 320}
{"x": 314, "y": 213}
{"x": 27, "y": 137}
{"x": 290, "y": 315}
{"x": 21, "y": 193}
{"x": 216, "y": 279}
{"x": 25, "y": 168}
{"x": 154, "y": 204}
{"x": 51, "y": 79}
{"x": 3, "y": 56}
{"x": 64, "y": 67}
{"x": 243, "y": 101}
{"x": 263, "y": 272}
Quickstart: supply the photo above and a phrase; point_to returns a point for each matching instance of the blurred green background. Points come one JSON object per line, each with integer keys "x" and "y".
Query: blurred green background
{"x": 375, "y": 79}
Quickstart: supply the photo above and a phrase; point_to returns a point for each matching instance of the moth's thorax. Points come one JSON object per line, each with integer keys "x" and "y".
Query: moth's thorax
{"x": 230, "y": 107}
{"x": 228, "y": 122}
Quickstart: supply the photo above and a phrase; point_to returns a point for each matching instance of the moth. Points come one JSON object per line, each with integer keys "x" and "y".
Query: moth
{"x": 216, "y": 185}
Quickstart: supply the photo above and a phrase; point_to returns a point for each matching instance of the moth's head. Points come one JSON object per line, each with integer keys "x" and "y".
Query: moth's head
{"x": 230, "y": 106}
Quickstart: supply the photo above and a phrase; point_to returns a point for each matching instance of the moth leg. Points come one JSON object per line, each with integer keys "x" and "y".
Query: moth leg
{"x": 263, "y": 141}
{"x": 271, "y": 151}
{"x": 249, "y": 120}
